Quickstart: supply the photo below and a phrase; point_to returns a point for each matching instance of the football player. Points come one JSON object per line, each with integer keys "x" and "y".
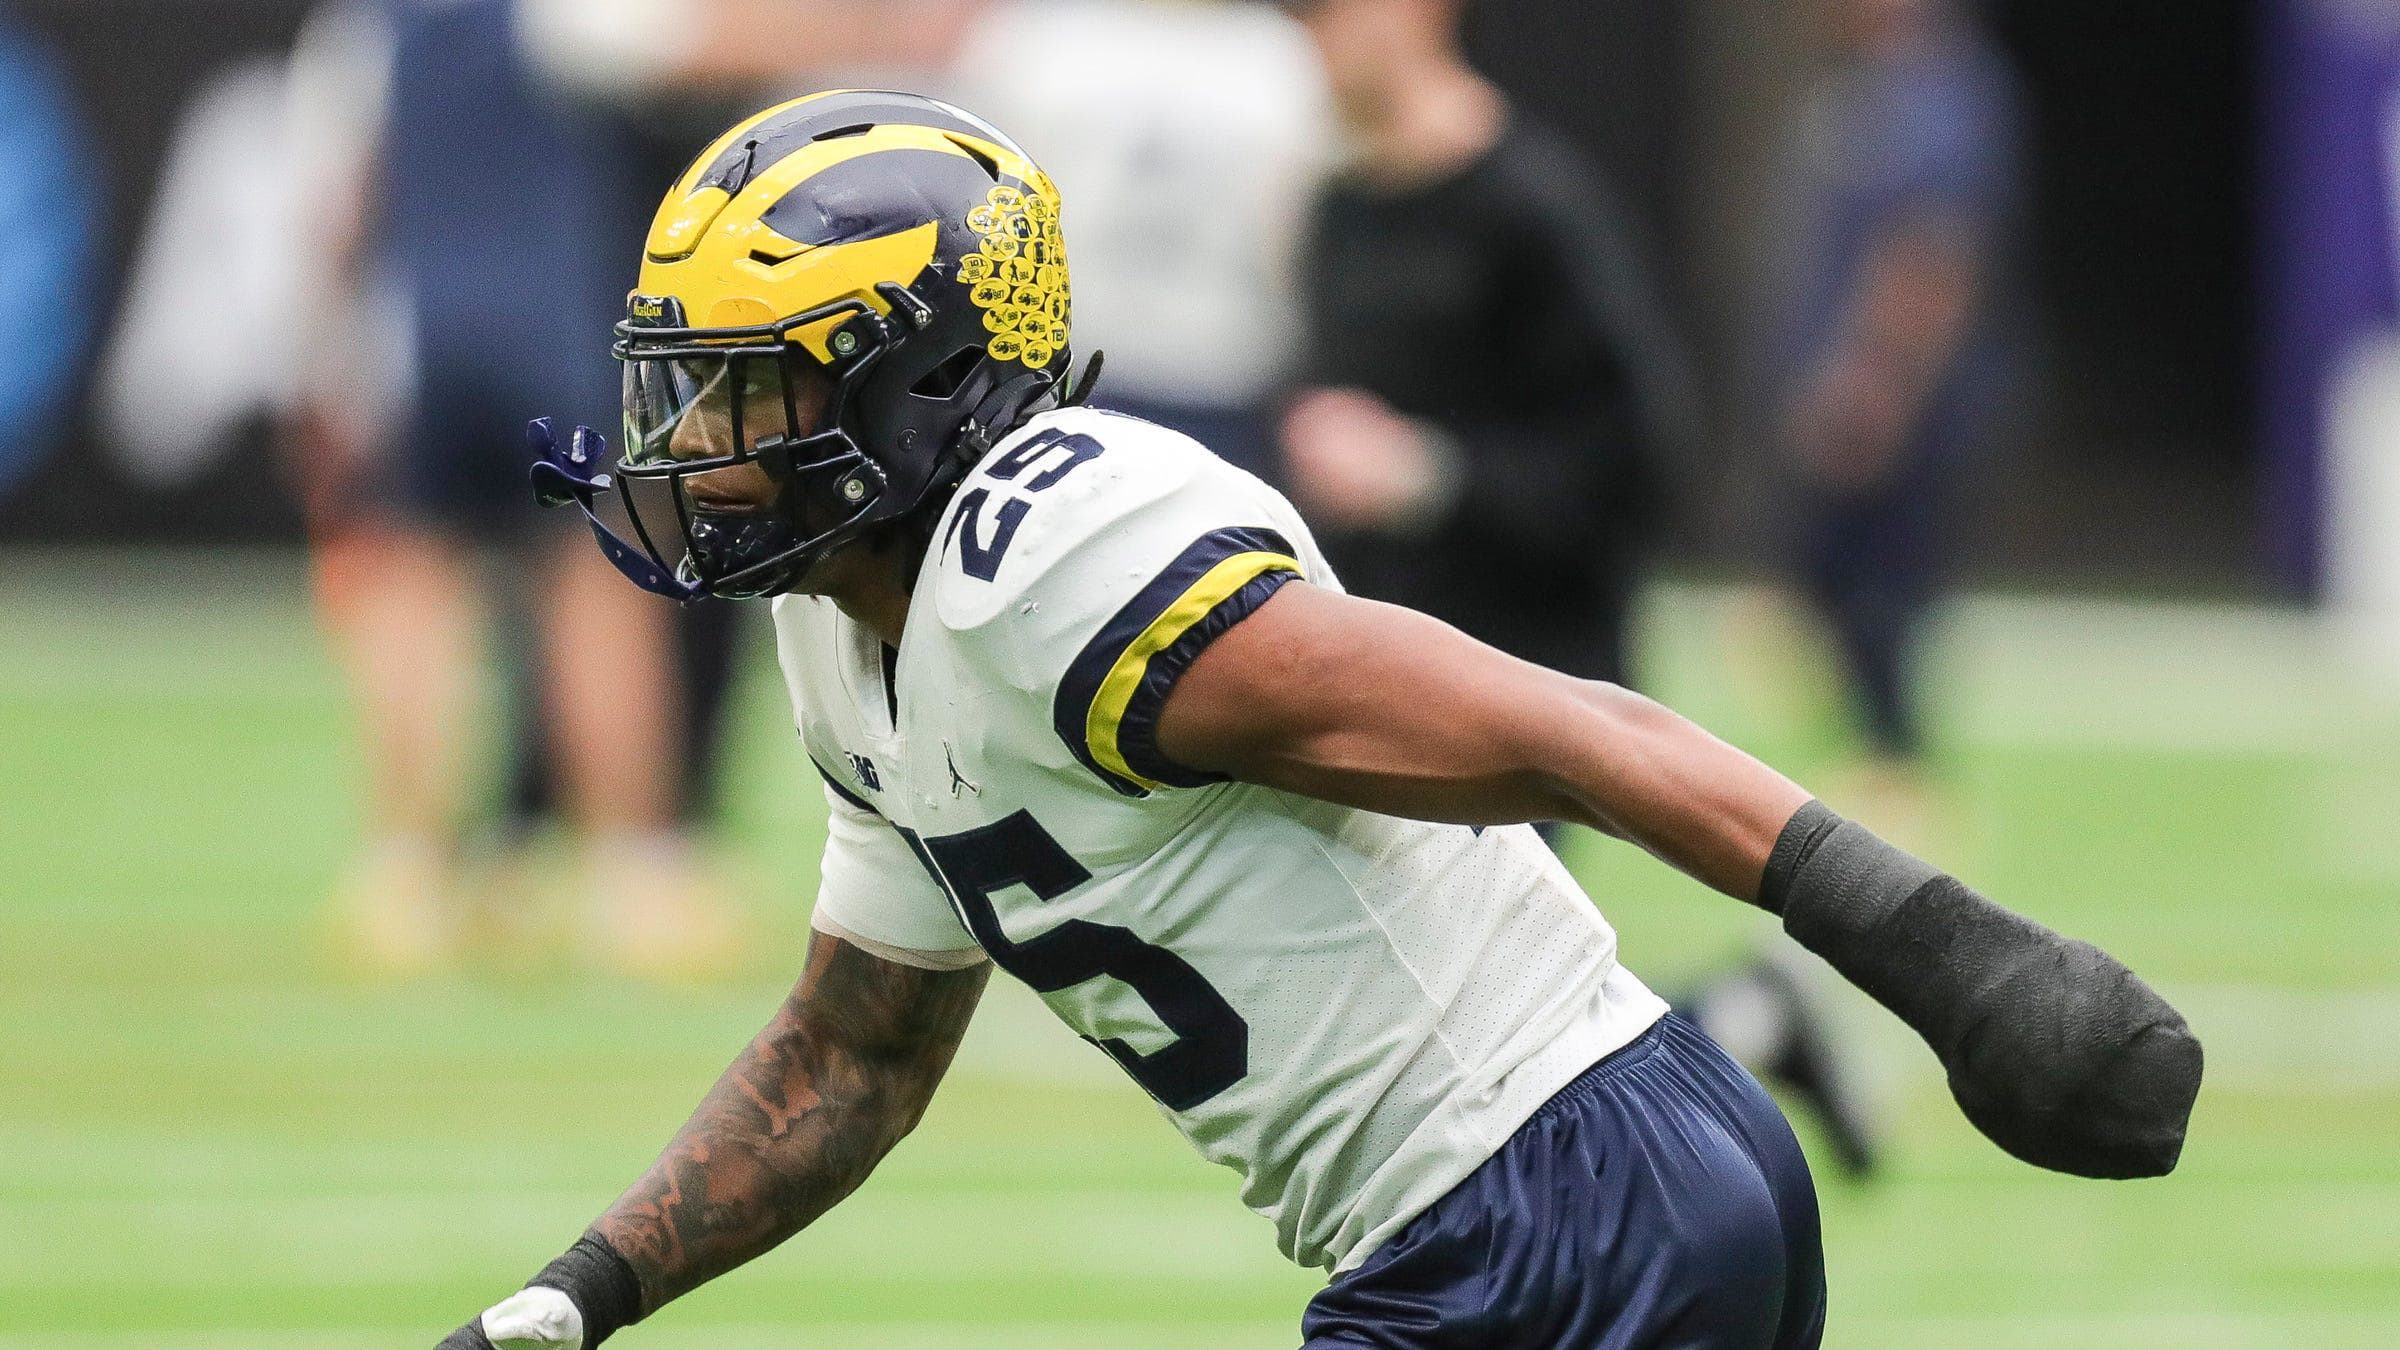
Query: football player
{"x": 1090, "y": 707}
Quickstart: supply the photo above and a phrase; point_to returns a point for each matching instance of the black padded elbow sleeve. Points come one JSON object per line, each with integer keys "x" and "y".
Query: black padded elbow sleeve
{"x": 2054, "y": 1049}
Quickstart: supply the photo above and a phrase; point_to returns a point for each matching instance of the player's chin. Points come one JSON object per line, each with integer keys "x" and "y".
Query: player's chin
{"x": 835, "y": 569}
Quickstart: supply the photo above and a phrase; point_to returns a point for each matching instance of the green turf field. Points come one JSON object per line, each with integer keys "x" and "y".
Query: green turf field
{"x": 208, "y": 1139}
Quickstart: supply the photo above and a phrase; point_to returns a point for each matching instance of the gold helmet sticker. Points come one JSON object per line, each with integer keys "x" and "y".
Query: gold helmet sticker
{"x": 1019, "y": 275}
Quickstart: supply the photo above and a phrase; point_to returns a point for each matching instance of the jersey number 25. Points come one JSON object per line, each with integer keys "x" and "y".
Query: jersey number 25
{"x": 1212, "y": 1046}
{"x": 979, "y": 549}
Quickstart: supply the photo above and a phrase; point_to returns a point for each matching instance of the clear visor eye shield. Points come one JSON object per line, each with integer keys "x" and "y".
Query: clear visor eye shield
{"x": 705, "y": 400}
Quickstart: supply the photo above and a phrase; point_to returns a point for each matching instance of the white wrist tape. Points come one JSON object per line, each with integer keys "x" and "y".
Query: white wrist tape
{"x": 539, "y": 1318}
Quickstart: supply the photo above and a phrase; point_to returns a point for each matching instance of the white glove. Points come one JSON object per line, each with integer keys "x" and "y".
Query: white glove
{"x": 540, "y": 1318}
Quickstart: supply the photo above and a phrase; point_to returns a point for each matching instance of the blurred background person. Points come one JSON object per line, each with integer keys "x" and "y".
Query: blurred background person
{"x": 46, "y": 220}
{"x": 368, "y": 577}
{"x": 1189, "y": 139}
{"x": 1490, "y": 392}
{"x": 1188, "y": 136}
{"x": 484, "y": 204}
{"x": 1493, "y": 405}
{"x": 1887, "y": 362}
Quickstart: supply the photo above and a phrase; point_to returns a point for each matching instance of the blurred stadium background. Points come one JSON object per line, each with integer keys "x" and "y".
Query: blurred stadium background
{"x": 2165, "y": 718}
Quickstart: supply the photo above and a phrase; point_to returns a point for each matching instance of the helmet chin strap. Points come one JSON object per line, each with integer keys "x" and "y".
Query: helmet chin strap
{"x": 573, "y": 473}
{"x": 721, "y": 544}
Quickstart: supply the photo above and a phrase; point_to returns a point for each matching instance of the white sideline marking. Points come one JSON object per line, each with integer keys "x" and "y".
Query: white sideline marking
{"x": 2346, "y": 1329}
{"x": 2062, "y": 671}
{"x": 2020, "y": 669}
{"x": 2319, "y": 1330}
{"x": 2145, "y": 675}
{"x": 926, "y": 1335}
{"x": 2337, "y": 1042}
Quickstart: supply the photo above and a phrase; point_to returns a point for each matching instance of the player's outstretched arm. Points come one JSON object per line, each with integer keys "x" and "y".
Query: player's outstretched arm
{"x": 841, "y": 1074}
{"x": 1374, "y": 706}
{"x": 2053, "y": 1048}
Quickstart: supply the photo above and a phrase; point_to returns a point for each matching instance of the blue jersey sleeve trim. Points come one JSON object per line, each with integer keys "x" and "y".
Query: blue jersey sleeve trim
{"x": 1106, "y": 710}
{"x": 1137, "y": 734}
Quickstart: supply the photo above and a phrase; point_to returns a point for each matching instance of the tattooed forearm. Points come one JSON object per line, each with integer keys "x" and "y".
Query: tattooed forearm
{"x": 840, "y": 1075}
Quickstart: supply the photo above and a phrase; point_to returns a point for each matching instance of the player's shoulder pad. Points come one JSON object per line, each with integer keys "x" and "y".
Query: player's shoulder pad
{"x": 1090, "y": 558}
{"x": 1071, "y": 496}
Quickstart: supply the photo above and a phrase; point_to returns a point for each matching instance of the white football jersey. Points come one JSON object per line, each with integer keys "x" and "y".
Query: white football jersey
{"x": 1353, "y": 1011}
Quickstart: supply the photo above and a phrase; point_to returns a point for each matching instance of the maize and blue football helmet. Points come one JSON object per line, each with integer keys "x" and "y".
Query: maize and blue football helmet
{"x": 893, "y": 250}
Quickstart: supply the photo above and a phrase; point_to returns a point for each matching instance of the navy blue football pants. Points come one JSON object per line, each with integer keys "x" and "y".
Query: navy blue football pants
{"x": 1658, "y": 1202}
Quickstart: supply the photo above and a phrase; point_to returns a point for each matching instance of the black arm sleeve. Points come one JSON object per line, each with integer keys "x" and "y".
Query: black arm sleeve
{"x": 2054, "y": 1049}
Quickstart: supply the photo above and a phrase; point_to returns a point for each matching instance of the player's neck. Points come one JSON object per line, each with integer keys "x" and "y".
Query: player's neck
{"x": 870, "y": 582}
{"x": 871, "y": 586}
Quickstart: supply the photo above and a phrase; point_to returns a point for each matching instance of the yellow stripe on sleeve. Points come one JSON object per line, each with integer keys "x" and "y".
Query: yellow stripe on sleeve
{"x": 1214, "y": 587}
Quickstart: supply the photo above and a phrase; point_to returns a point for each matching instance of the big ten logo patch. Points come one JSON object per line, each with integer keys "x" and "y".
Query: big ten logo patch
{"x": 1020, "y": 272}
{"x": 864, "y": 769}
